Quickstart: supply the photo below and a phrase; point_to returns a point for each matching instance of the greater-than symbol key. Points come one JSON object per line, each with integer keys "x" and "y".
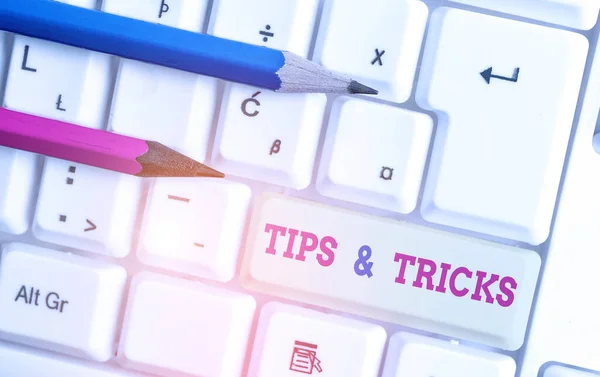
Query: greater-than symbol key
{"x": 91, "y": 227}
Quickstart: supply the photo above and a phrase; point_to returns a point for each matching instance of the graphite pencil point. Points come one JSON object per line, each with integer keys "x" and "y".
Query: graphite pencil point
{"x": 357, "y": 88}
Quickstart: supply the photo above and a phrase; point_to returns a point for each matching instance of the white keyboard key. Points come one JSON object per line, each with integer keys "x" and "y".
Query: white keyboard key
{"x": 58, "y": 81}
{"x": 172, "y": 107}
{"x": 86, "y": 207}
{"x": 506, "y": 112}
{"x": 565, "y": 327}
{"x": 4, "y": 60}
{"x": 206, "y": 332}
{"x": 456, "y": 286}
{"x": 169, "y": 106}
{"x": 269, "y": 136}
{"x": 166, "y": 105}
{"x": 90, "y": 4}
{"x": 183, "y": 14}
{"x": 376, "y": 42}
{"x": 579, "y": 14}
{"x": 283, "y": 25}
{"x": 18, "y": 172}
{"x": 386, "y": 171}
{"x": 60, "y": 301}
{"x": 194, "y": 226}
{"x": 292, "y": 341}
{"x": 18, "y": 361}
{"x": 560, "y": 371}
{"x": 412, "y": 355}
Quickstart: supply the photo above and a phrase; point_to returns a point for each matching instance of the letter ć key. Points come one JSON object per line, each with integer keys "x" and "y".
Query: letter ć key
{"x": 423, "y": 278}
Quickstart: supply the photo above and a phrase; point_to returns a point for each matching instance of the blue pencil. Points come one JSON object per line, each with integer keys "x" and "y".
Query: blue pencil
{"x": 171, "y": 47}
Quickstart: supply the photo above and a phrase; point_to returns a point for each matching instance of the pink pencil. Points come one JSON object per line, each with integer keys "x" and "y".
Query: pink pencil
{"x": 98, "y": 148}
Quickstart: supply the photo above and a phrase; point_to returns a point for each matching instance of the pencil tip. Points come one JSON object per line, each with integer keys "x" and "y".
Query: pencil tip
{"x": 208, "y": 172}
{"x": 162, "y": 161}
{"x": 357, "y": 88}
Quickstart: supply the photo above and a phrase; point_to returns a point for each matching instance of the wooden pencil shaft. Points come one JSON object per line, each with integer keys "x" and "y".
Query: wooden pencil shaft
{"x": 71, "y": 142}
{"x": 143, "y": 41}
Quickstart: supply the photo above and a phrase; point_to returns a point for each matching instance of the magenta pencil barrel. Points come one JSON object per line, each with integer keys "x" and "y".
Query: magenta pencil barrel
{"x": 70, "y": 142}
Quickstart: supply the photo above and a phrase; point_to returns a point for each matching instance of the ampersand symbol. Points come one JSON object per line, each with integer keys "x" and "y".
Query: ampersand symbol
{"x": 362, "y": 266}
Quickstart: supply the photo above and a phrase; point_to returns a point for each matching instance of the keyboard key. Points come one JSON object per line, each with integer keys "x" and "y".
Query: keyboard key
{"x": 384, "y": 172}
{"x": 564, "y": 327}
{"x": 269, "y": 136}
{"x": 182, "y": 14}
{"x": 18, "y": 172}
{"x": 86, "y": 208}
{"x": 205, "y": 333}
{"x": 291, "y": 341}
{"x": 4, "y": 60}
{"x": 90, "y": 4}
{"x": 60, "y": 301}
{"x": 506, "y": 112}
{"x": 559, "y": 371}
{"x": 386, "y": 40}
{"x": 25, "y": 362}
{"x": 194, "y": 226}
{"x": 283, "y": 25}
{"x": 169, "y": 106}
{"x": 415, "y": 355}
{"x": 173, "y": 107}
{"x": 343, "y": 260}
{"x": 58, "y": 81}
{"x": 579, "y": 14}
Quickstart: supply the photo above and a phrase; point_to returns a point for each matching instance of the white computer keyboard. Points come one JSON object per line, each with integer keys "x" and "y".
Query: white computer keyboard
{"x": 445, "y": 228}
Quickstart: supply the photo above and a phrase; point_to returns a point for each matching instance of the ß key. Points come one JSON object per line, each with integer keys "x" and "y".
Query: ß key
{"x": 59, "y": 301}
{"x": 434, "y": 281}
{"x": 251, "y": 141}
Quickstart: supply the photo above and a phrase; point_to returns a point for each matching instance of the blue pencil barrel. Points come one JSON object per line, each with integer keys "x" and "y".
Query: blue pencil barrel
{"x": 143, "y": 41}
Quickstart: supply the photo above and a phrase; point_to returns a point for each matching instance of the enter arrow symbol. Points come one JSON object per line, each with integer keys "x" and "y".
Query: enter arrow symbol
{"x": 92, "y": 226}
{"x": 487, "y": 75}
